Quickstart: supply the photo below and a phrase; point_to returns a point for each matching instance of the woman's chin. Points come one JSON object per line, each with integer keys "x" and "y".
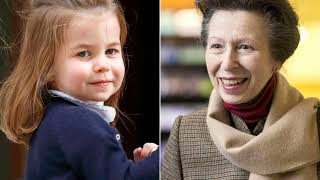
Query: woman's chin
{"x": 232, "y": 99}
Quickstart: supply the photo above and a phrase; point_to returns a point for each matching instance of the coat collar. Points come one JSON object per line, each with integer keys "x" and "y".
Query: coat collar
{"x": 107, "y": 113}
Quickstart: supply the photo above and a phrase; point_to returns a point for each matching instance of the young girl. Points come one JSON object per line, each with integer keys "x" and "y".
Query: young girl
{"x": 61, "y": 97}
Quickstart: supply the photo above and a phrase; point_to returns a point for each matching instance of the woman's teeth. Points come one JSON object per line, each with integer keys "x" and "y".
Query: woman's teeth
{"x": 232, "y": 82}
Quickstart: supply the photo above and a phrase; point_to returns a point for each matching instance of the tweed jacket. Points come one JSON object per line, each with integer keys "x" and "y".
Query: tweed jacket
{"x": 191, "y": 153}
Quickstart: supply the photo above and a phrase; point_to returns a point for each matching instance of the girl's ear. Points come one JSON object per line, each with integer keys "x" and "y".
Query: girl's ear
{"x": 51, "y": 83}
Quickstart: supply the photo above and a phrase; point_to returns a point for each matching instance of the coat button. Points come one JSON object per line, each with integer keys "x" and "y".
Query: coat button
{"x": 118, "y": 137}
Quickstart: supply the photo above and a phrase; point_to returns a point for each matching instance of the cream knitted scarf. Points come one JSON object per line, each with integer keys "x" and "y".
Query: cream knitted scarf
{"x": 288, "y": 146}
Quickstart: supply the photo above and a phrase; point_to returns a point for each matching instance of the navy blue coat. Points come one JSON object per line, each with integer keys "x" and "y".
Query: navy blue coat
{"x": 73, "y": 142}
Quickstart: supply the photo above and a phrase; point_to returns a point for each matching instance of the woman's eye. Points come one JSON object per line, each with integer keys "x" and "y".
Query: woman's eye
{"x": 111, "y": 51}
{"x": 216, "y": 46}
{"x": 83, "y": 54}
{"x": 245, "y": 46}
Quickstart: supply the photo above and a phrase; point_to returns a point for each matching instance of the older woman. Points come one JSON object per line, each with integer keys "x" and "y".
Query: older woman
{"x": 256, "y": 125}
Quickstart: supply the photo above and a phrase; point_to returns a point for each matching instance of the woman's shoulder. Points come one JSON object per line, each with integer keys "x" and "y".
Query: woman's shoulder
{"x": 199, "y": 115}
{"x": 318, "y": 114}
{"x": 194, "y": 119}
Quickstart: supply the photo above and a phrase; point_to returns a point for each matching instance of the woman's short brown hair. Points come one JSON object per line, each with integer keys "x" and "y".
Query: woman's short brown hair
{"x": 281, "y": 20}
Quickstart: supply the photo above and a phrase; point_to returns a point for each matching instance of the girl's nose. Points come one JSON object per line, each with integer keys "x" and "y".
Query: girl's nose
{"x": 102, "y": 64}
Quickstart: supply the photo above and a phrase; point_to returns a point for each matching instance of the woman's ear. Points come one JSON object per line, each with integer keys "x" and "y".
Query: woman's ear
{"x": 276, "y": 67}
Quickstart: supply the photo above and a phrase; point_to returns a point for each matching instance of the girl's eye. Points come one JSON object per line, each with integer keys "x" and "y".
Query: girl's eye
{"x": 111, "y": 51}
{"x": 83, "y": 54}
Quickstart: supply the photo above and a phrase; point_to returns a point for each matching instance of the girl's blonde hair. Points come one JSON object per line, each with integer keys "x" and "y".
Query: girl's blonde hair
{"x": 22, "y": 94}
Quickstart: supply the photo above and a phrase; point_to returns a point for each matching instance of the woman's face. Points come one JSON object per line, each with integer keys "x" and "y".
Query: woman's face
{"x": 238, "y": 57}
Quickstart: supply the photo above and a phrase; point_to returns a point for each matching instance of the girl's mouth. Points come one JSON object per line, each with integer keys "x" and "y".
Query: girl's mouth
{"x": 101, "y": 83}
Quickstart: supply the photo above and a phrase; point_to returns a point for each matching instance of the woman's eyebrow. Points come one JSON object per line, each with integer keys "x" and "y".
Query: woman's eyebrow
{"x": 215, "y": 38}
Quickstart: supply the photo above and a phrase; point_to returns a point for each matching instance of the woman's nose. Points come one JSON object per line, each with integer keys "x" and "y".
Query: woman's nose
{"x": 229, "y": 60}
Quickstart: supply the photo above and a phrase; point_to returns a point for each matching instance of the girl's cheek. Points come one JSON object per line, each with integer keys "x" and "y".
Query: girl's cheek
{"x": 120, "y": 69}
{"x": 78, "y": 77}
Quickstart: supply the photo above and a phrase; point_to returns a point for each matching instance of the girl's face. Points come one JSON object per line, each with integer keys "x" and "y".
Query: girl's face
{"x": 90, "y": 65}
{"x": 238, "y": 58}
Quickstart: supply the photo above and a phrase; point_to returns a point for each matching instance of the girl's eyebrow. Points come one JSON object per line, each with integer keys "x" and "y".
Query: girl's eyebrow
{"x": 82, "y": 46}
{"x": 88, "y": 45}
{"x": 115, "y": 43}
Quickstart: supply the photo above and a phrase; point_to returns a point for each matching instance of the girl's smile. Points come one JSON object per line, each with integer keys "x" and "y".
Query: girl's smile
{"x": 90, "y": 66}
{"x": 101, "y": 83}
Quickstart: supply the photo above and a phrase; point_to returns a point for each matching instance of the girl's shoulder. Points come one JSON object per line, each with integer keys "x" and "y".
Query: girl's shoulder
{"x": 60, "y": 106}
{"x": 60, "y": 110}
{"x": 64, "y": 116}
{"x": 71, "y": 132}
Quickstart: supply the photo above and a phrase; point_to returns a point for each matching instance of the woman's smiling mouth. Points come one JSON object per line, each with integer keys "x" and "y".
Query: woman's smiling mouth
{"x": 232, "y": 84}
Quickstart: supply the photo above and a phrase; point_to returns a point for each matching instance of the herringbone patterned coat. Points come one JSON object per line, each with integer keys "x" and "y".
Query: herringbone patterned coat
{"x": 191, "y": 154}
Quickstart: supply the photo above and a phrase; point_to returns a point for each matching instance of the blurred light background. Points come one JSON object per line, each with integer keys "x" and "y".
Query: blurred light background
{"x": 185, "y": 85}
